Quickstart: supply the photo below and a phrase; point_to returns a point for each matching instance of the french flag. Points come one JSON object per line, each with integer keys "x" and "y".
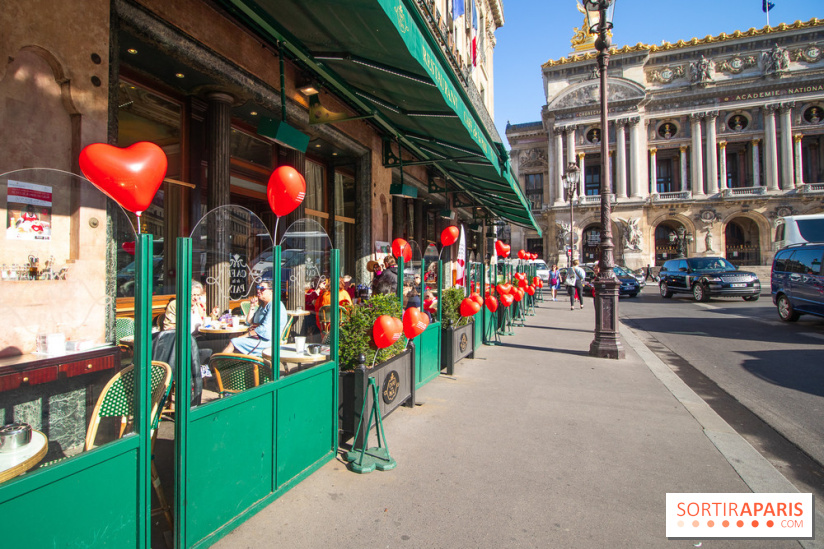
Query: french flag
{"x": 474, "y": 40}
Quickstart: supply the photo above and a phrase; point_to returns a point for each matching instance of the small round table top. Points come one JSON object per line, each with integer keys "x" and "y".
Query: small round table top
{"x": 289, "y": 355}
{"x": 21, "y": 460}
{"x": 299, "y": 312}
{"x": 227, "y": 330}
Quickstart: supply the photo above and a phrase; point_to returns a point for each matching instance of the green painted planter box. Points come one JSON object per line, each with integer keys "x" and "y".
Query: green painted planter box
{"x": 396, "y": 386}
{"x": 457, "y": 343}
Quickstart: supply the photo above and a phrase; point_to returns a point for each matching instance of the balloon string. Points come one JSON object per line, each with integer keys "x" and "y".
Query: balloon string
{"x": 375, "y": 359}
{"x": 138, "y": 223}
{"x": 277, "y": 220}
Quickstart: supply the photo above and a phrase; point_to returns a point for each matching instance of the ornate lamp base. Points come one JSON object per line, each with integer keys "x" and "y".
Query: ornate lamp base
{"x": 606, "y": 343}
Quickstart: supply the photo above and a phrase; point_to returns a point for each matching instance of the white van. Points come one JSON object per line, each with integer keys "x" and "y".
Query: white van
{"x": 798, "y": 229}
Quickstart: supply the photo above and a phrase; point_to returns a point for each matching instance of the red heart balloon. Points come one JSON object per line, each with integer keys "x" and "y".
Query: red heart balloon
{"x": 530, "y": 289}
{"x": 507, "y": 299}
{"x": 504, "y": 289}
{"x": 540, "y": 283}
{"x": 401, "y": 247}
{"x": 128, "y": 247}
{"x": 520, "y": 276}
{"x": 450, "y": 235}
{"x": 414, "y": 322}
{"x": 518, "y": 295}
{"x": 522, "y": 283}
{"x": 535, "y": 280}
{"x": 129, "y": 176}
{"x": 477, "y": 299}
{"x": 386, "y": 331}
{"x": 507, "y": 248}
{"x": 469, "y": 307}
{"x": 286, "y": 190}
{"x": 491, "y": 304}
{"x": 521, "y": 254}
{"x": 502, "y": 248}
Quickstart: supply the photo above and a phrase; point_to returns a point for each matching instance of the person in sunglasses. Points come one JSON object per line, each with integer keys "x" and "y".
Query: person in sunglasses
{"x": 260, "y": 331}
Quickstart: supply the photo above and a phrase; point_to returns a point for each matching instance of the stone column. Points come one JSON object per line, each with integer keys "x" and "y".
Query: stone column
{"x": 722, "y": 152}
{"x": 712, "y": 154}
{"x": 756, "y": 163}
{"x": 653, "y": 170}
{"x": 787, "y": 165}
{"x": 558, "y": 173}
{"x": 697, "y": 161}
{"x": 637, "y": 159}
{"x": 218, "y": 135}
{"x": 684, "y": 173}
{"x": 770, "y": 148}
{"x": 582, "y": 180}
{"x": 799, "y": 167}
{"x": 570, "y": 144}
{"x": 621, "y": 158}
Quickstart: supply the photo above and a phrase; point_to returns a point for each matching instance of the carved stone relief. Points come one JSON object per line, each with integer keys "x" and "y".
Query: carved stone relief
{"x": 666, "y": 74}
{"x": 737, "y": 64}
{"x": 589, "y": 94}
{"x": 530, "y": 158}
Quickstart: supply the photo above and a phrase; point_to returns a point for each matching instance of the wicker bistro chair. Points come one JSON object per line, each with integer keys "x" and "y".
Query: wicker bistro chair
{"x": 124, "y": 327}
{"x": 117, "y": 400}
{"x": 245, "y": 307}
{"x": 235, "y": 373}
{"x": 325, "y": 318}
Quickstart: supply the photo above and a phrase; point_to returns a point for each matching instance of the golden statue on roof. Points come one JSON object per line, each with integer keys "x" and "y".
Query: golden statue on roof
{"x": 583, "y": 39}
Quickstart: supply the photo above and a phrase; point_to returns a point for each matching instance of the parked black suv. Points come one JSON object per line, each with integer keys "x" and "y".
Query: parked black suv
{"x": 797, "y": 281}
{"x": 706, "y": 277}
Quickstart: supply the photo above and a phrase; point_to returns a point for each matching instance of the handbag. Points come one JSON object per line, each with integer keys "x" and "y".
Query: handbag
{"x": 570, "y": 279}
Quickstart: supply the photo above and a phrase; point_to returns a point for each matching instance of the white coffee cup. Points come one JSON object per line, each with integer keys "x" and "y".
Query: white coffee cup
{"x": 235, "y": 321}
{"x": 300, "y": 344}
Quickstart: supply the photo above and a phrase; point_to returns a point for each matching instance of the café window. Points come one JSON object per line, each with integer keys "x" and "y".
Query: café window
{"x": 315, "y": 193}
{"x": 345, "y": 219}
{"x": 534, "y": 186}
{"x": 145, "y": 115}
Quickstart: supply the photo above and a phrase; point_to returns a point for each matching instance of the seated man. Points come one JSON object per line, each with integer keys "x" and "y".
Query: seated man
{"x": 260, "y": 332}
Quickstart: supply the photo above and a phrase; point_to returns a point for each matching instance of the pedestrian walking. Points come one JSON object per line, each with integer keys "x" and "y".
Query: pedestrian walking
{"x": 554, "y": 281}
{"x": 649, "y": 274}
{"x": 575, "y": 284}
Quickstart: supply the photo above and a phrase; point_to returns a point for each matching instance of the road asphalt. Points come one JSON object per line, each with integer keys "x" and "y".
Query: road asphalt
{"x": 532, "y": 443}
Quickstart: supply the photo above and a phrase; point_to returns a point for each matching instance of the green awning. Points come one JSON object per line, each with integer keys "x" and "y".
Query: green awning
{"x": 380, "y": 57}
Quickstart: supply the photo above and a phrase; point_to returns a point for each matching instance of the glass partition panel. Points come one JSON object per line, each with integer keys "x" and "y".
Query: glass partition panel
{"x": 412, "y": 281}
{"x": 306, "y": 293}
{"x": 231, "y": 296}
{"x": 430, "y": 281}
{"x": 65, "y": 352}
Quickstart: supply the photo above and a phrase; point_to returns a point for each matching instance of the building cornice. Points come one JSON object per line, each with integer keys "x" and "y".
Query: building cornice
{"x": 667, "y": 46}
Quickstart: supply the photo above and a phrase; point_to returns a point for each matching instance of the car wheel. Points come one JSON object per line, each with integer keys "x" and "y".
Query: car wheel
{"x": 751, "y": 297}
{"x": 665, "y": 293}
{"x": 785, "y": 309}
{"x": 699, "y": 292}
{"x": 634, "y": 294}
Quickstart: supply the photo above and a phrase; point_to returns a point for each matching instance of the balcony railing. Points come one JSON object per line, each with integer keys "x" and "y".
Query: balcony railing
{"x": 811, "y": 188}
{"x": 670, "y": 197}
{"x": 593, "y": 199}
{"x": 743, "y": 191}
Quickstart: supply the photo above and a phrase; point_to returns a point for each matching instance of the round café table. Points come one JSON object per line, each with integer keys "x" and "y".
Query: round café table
{"x": 288, "y": 355}
{"x": 229, "y": 330}
{"x": 21, "y": 460}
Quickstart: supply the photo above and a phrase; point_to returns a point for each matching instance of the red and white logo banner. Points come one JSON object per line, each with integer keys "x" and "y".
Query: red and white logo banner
{"x": 743, "y": 516}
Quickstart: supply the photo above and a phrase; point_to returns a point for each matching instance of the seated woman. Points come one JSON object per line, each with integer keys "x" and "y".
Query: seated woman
{"x": 198, "y": 309}
{"x": 326, "y": 299}
{"x": 258, "y": 337}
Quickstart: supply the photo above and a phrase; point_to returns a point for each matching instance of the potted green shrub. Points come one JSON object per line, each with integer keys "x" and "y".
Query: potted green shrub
{"x": 458, "y": 335}
{"x": 393, "y": 370}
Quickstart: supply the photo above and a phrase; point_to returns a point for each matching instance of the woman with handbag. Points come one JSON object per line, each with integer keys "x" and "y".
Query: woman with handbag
{"x": 575, "y": 281}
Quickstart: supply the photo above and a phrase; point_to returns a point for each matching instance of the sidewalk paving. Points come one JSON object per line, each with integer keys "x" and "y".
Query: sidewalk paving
{"x": 531, "y": 444}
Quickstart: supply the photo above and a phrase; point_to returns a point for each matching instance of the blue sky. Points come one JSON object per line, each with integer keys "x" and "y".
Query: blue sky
{"x": 538, "y": 30}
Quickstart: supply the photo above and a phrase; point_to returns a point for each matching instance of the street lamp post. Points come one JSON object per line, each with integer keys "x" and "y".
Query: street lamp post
{"x": 571, "y": 179}
{"x": 606, "y": 343}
